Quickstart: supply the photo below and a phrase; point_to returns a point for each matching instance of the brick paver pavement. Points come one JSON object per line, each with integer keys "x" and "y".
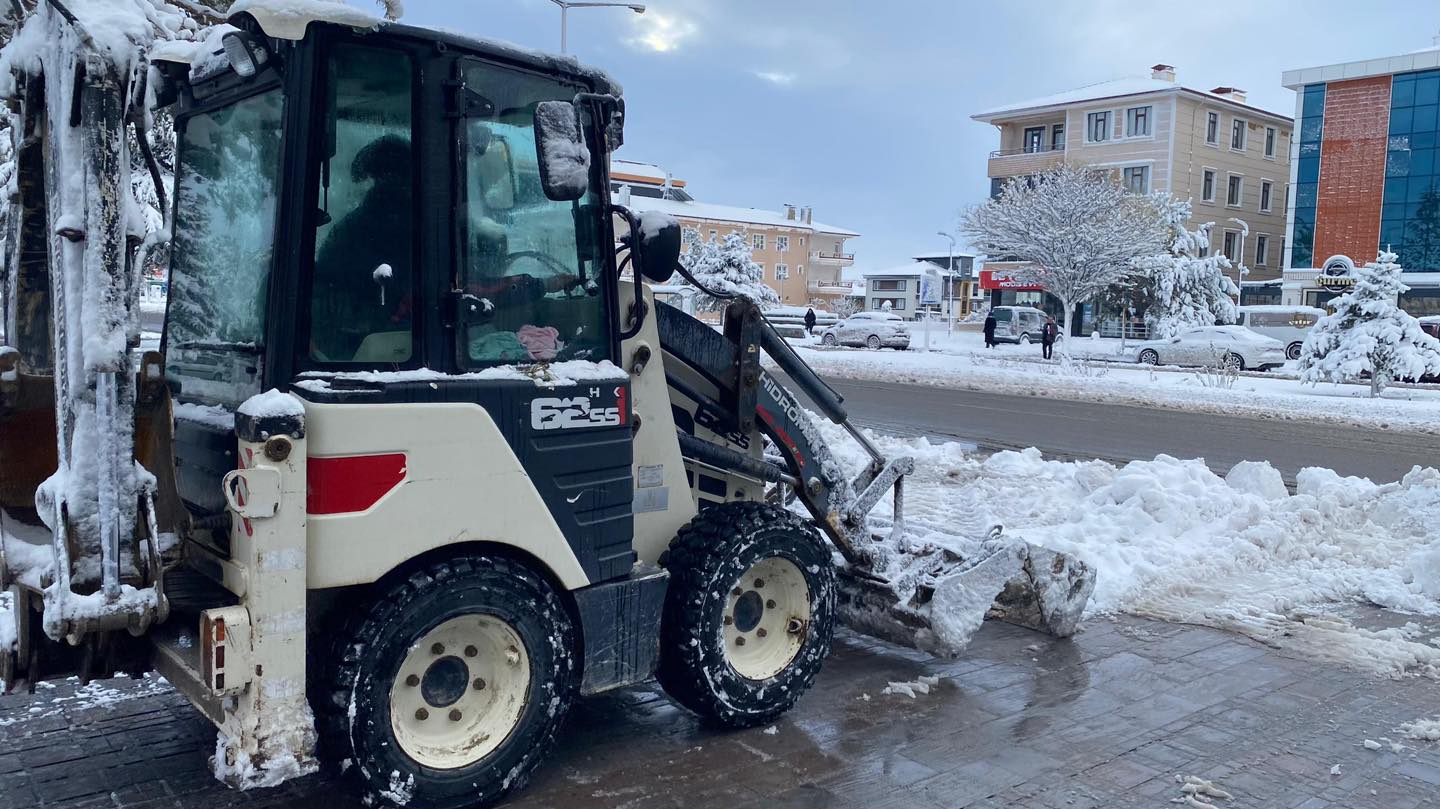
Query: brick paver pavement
{"x": 1108, "y": 719}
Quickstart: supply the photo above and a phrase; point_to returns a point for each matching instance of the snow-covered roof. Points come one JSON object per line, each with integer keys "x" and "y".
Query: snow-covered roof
{"x": 941, "y": 254}
{"x": 727, "y": 213}
{"x": 626, "y": 170}
{"x": 1114, "y": 88}
{"x": 911, "y": 270}
{"x": 288, "y": 19}
{"x": 1276, "y": 309}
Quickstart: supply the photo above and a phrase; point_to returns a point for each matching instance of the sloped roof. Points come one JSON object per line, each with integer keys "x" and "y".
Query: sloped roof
{"x": 1114, "y": 88}
{"x": 727, "y": 213}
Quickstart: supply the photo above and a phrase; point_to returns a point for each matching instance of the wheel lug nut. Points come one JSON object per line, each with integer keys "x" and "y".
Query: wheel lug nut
{"x": 479, "y": 684}
{"x": 794, "y": 625}
{"x": 769, "y": 603}
{"x": 438, "y": 649}
{"x": 455, "y": 715}
{"x": 512, "y": 656}
{"x": 412, "y": 681}
{"x": 759, "y": 583}
{"x": 729, "y": 620}
{"x": 737, "y": 591}
{"x": 740, "y": 641}
{"x": 422, "y": 714}
{"x": 761, "y": 632}
{"x": 471, "y": 651}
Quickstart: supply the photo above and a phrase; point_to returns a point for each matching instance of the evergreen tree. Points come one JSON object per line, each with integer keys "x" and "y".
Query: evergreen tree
{"x": 1370, "y": 334}
{"x": 1190, "y": 289}
{"x": 725, "y": 266}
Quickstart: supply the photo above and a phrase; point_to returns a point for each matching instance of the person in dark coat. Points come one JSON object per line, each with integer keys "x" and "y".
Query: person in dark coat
{"x": 1049, "y": 333}
{"x": 810, "y": 321}
{"x": 990, "y": 330}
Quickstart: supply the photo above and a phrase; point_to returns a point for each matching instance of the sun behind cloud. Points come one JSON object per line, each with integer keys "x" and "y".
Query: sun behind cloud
{"x": 662, "y": 33}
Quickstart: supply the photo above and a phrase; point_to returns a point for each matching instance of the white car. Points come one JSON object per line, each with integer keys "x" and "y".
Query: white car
{"x": 869, "y": 329}
{"x": 1220, "y": 346}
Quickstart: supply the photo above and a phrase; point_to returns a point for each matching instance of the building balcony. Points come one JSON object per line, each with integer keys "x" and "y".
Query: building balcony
{"x": 1021, "y": 162}
{"x": 830, "y": 287}
{"x": 832, "y": 259}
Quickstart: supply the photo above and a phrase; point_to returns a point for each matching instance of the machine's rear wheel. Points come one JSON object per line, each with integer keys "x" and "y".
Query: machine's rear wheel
{"x": 448, "y": 689}
{"x": 749, "y": 614}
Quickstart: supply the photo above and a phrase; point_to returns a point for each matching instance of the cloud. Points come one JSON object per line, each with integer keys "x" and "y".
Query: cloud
{"x": 776, "y": 77}
{"x": 661, "y": 33}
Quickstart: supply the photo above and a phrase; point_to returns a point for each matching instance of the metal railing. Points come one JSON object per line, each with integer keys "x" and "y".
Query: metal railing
{"x": 1043, "y": 149}
{"x": 822, "y": 255}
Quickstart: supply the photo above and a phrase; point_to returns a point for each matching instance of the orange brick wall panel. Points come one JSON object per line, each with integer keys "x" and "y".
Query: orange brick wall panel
{"x": 1352, "y": 169}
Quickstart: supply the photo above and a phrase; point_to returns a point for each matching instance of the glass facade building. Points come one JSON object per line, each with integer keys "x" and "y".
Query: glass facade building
{"x": 1307, "y": 174}
{"x": 1410, "y": 216}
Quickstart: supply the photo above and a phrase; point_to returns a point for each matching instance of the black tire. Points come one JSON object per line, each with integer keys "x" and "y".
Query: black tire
{"x": 829, "y": 340}
{"x": 1292, "y": 351}
{"x": 1232, "y": 361}
{"x": 1149, "y": 357}
{"x": 873, "y": 341}
{"x": 354, "y": 706}
{"x": 706, "y": 560}
{"x": 1024, "y": 339}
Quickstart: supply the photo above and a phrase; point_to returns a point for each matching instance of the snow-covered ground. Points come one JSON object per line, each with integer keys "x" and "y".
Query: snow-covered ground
{"x": 1093, "y": 374}
{"x": 1171, "y": 540}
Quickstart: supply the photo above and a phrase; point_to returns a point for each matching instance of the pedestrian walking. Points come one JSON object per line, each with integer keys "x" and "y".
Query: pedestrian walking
{"x": 1049, "y": 333}
{"x": 810, "y": 321}
{"x": 989, "y": 329}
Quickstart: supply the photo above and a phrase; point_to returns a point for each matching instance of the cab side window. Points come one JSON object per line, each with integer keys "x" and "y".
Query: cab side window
{"x": 363, "y": 294}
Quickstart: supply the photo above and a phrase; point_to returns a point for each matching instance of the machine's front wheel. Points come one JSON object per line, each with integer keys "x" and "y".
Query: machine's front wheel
{"x": 749, "y": 614}
{"x": 448, "y": 689}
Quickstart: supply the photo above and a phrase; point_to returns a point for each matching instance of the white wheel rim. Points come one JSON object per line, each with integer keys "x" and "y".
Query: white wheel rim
{"x": 767, "y": 617}
{"x": 460, "y": 692}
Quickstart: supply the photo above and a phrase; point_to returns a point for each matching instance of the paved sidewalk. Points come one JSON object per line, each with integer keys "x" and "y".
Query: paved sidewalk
{"x": 1109, "y": 719}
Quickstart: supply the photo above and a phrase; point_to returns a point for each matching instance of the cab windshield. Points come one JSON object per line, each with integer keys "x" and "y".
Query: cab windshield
{"x": 226, "y": 194}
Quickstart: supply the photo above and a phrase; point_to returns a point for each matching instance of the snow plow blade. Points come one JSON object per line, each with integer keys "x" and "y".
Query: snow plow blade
{"x": 935, "y": 599}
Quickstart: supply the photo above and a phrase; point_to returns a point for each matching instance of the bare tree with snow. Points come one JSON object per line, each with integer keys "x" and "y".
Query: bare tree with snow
{"x": 1370, "y": 334}
{"x": 1190, "y": 288}
{"x": 1075, "y": 227}
{"x": 725, "y": 266}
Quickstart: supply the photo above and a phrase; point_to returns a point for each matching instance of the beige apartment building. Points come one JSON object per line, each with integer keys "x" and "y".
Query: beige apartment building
{"x": 1231, "y": 159}
{"x": 802, "y": 259}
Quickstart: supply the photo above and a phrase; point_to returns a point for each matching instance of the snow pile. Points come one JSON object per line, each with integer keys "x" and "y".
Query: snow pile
{"x": 106, "y": 694}
{"x": 209, "y": 415}
{"x": 920, "y": 685}
{"x": 1423, "y": 730}
{"x": 542, "y": 374}
{"x": 289, "y": 18}
{"x": 271, "y": 404}
{"x": 8, "y": 627}
{"x": 1169, "y": 539}
{"x": 1198, "y": 792}
{"x": 243, "y": 772}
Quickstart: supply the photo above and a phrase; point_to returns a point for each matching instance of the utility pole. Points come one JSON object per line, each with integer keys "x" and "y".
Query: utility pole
{"x": 949, "y": 286}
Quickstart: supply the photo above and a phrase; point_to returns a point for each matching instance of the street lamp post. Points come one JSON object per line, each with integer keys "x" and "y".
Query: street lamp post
{"x": 1240, "y": 269}
{"x": 949, "y": 286}
{"x": 566, "y": 5}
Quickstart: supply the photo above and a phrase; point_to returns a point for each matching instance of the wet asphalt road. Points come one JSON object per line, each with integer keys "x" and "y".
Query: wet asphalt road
{"x": 1069, "y": 430}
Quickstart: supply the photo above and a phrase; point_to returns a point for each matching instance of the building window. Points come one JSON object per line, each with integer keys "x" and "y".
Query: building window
{"x": 1137, "y": 179}
{"x": 1137, "y": 122}
{"x": 782, "y": 272}
{"x": 761, "y": 265}
{"x": 1212, "y": 128}
{"x": 1207, "y": 186}
{"x": 1034, "y": 139}
{"x": 782, "y": 243}
{"x": 1265, "y": 186}
{"x": 802, "y": 241}
{"x": 888, "y": 285}
{"x": 1235, "y": 191}
{"x": 1262, "y": 250}
{"x": 758, "y": 239}
{"x": 1057, "y": 138}
{"x": 1097, "y": 127}
{"x": 894, "y": 304}
{"x": 1232, "y": 246}
{"x": 1308, "y": 131}
{"x": 800, "y": 269}
{"x": 1238, "y": 128}
{"x": 1270, "y": 141}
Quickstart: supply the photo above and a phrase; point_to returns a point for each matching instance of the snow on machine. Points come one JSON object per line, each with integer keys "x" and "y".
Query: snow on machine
{"x": 414, "y": 466}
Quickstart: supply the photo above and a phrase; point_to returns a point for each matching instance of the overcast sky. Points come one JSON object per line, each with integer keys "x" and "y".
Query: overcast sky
{"x": 861, "y": 109}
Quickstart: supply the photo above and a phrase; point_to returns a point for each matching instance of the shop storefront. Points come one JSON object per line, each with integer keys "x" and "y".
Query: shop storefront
{"x": 1002, "y": 290}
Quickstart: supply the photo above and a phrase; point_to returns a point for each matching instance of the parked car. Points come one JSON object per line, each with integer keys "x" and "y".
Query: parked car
{"x": 1018, "y": 324}
{"x": 1288, "y": 324}
{"x": 869, "y": 329}
{"x": 1223, "y": 346}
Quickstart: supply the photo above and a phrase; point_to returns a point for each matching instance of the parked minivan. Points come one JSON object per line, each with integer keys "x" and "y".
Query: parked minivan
{"x": 1288, "y": 324}
{"x": 1018, "y": 324}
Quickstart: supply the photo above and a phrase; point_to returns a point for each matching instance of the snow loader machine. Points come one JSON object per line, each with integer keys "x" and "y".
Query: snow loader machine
{"x": 414, "y": 464}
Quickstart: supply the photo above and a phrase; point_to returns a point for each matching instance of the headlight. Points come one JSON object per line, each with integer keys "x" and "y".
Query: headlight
{"x": 244, "y": 54}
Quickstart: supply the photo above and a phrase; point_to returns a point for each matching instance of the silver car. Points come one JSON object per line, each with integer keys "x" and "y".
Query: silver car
{"x": 869, "y": 329}
{"x": 1215, "y": 346}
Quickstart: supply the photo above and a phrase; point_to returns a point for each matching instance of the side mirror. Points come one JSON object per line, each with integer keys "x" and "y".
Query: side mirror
{"x": 564, "y": 159}
{"x": 656, "y": 248}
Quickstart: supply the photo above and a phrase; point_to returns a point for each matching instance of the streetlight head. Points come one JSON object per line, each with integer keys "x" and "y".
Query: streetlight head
{"x": 638, "y": 9}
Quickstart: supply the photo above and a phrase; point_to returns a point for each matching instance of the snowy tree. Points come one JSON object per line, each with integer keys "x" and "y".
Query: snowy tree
{"x": 725, "y": 266}
{"x": 1370, "y": 333}
{"x": 844, "y": 306}
{"x": 1190, "y": 289}
{"x": 1076, "y": 228}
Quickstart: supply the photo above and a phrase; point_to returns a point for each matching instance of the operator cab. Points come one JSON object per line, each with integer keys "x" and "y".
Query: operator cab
{"x": 368, "y": 215}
